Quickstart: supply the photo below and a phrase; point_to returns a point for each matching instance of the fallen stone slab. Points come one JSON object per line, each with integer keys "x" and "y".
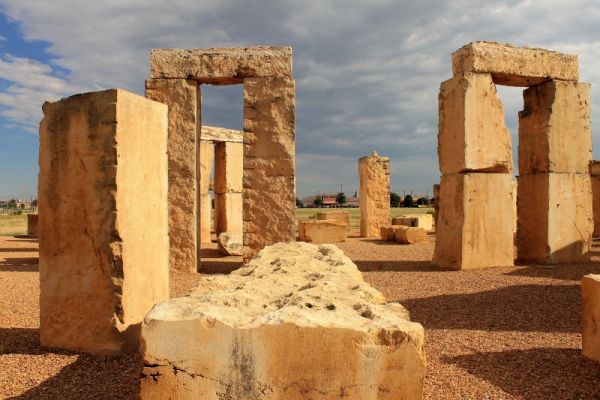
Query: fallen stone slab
{"x": 322, "y": 231}
{"x": 590, "y": 292}
{"x": 231, "y": 244}
{"x": 424, "y": 221}
{"x": 298, "y": 322}
{"x": 340, "y": 216}
{"x": 409, "y": 235}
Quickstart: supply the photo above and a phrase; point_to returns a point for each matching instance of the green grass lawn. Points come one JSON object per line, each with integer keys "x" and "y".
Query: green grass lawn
{"x": 311, "y": 213}
{"x": 11, "y": 225}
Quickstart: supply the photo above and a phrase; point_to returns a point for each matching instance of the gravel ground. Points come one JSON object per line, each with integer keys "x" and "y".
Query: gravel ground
{"x": 497, "y": 333}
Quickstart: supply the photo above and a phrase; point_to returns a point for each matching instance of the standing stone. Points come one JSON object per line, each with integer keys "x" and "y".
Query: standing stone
{"x": 206, "y": 152}
{"x": 182, "y": 97}
{"x": 269, "y": 163}
{"x": 32, "y": 225}
{"x": 476, "y": 221}
{"x": 229, "y": 170}
{"x": 374, "y": 194}
{"x": 436, "y": 203}
{"x": 472, "y": 133}
{"x": 299, "y": 322}
{"x": 104, "y": 248}
{"x": 590, "y": 321}
{"x": 555, "y": 221}
{"x": 595, "y": 177}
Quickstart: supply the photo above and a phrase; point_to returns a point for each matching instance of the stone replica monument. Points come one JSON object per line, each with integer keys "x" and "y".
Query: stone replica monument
{"x": 102, "y": 192}
{"x": 475, "y": 222}
{"x": 595, "y": 178}
{"x": 268, "y": 147}
{"x": 298, "y": 322}
{"x": 374, "y": 194}
{"x": 590, "y": 321}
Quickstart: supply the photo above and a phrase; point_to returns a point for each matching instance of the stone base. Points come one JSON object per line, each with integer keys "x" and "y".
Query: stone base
{"x": 475, "y": 225}
{"x": 590, "y": 291}
{"x": 322, "y": 231}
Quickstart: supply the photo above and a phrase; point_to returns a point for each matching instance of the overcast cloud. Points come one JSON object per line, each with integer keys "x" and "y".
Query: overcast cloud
{"x": 367, "y": 72}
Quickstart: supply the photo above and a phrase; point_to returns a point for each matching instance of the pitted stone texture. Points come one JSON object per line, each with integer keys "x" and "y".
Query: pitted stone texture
{"x": 269, "y": 163}
{"x": 555, "y": 129}
{"x": 221, "y": 65}
{"x": 515, "y": 66}
{"x": 340, "y": 216}
{"x": 424, "y": 221}
{"x": 231, "y": 244}
{"x": 409, "y": 235}
{"x": 103, "y": 219}
{"x": 476, "y": 221}
{"x": 322, "y": 231}
{"x": 590, "y": 321}
{"x": 374, "y": 194}
{"x": 182, "y": 98}
{"x": 472, "y": 134}
{"x": 298, "y": 322}
{"x": 555, "y": 221}
{"x": 32, "y": 225}
{"x": 595, "y": 177}
{"x": 206, "y": 161}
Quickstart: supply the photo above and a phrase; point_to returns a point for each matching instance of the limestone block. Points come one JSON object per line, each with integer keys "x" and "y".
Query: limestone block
{"x": 228, "y": 213}
{"x": 32, "y": 225}
{"x": 590, "y": 321}
{"x": 299, "y": 322}
{"x": 409, "y": 235}
{"x": 206, "y": 218}
{"x": 514, "y": 204}
{"x": 229, "y": 167}
{"x": 182, "y": 97}
{"x": 374, "y": 194}
{"x": 515, "y": 66}
{"x": 340, "y": 216}
{"x": 424, "y": 221}
{"x": 217, "y": 134}
{"x": 269, "y": 163}
{"x": 206, "y": 161}
{"x": 595, "y": 177}
{"x": 436, "y": 207}
{"x": 103, "y": 222}
{"x": 472, "y": 133}
{"x": 231, "y": 244}
{"x": 387, "y": 232}
{"x": 221, "y": 65}
{"x": 555, "y": 221}
{"x": 322, "y": 231}
{"x": 555, "y": 128}
{"x": 475, "y": 222}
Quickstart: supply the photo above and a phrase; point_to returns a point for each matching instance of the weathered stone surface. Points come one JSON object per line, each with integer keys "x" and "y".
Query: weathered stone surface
{"x": 374, "y": 193}
{"x": 476, "y": 221}
{"x": 515, "y": 66}
{"x": 555, "y": 221}
{"x": 409, "y": 235}
{"x": 387, "y": 232}
{"x": 514, "y": 204}
{"x": 299, "y": 322}
{"x": 340, "y": 216}
{"x": 595, "y": 178}
{"x": 590, "y": 321}
{"x": 217, "y": 134}
{"x": 206, "y": 218}
{"x": 221, "y": 65}
{"x": 472, "y": 132}
{"x": 555, "y": 128}
{"x": 182, "y": 98}
{"x": 424, "y": 221}
{"x": 229, "y": 213}
{"x": 322, "y": 231}
{"x": 206, "y": 161}
{"x": 231, "y": 244}
{"x": 229, "y": 167}
{"x": 104, "y": 249}
{"x": 436, "y": 203}
{"x": 32, "y": 225}
{"x": 269, "y": 163}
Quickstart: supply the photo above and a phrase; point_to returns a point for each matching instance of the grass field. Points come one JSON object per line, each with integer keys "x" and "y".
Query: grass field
{"x": 311, "y": 213}
{"x": 11, "y": 225}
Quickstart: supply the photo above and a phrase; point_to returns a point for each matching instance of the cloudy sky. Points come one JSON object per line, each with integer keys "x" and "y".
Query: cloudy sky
{"x": 367, "y": 72}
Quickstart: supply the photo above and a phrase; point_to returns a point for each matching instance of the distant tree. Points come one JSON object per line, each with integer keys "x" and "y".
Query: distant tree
{"x": 340, "y": 198}
{"x": 299, "y": 203}
{"x": 408, "y": 201}
{"x": 318, "y": 202}
{"x": 12, "y": 203}
{"x": 394, "y": 200}
{"x": 34, "y": 203}
{"x": 423, "y": 201}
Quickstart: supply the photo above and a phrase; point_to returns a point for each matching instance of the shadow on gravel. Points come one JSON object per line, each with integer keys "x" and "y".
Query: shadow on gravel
{"x": 30, "y": 264}
{"x": 397, "y": 266}
{"x": 543, "y": 373}
{"x": 569, "y": 272}
{"x": 525, "y": 308}
{"x": 212, "y": 261}
{"x": 88, "y": 377}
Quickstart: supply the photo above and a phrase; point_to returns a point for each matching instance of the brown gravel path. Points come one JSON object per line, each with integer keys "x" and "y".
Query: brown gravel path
{"x": 498, "y": 333}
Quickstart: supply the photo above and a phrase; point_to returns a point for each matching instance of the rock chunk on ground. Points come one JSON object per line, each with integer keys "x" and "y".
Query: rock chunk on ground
{"x": 298, "y": 322}
{"x": 231, "y": 244}
{"x": 322, "y": 231}
{"x": 590, "y": 291}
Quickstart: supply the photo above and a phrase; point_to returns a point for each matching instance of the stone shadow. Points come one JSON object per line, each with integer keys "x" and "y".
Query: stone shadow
{"x": 212, "y": 261}
{"x": 542, "y": 373}
{"x": 30, "y": 264}
{"x": 570, "y": 272}
{"x": 17, "y": 249}
{"x": 398, "y": 266}
{"x": 525, "y": 308}
{"x": 88, "y": 377}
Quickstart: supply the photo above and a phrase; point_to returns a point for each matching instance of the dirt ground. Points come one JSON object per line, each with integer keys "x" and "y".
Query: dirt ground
{"x": 497, "y": 333}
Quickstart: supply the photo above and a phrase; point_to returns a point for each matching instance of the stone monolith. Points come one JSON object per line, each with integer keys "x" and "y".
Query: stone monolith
{"x": 374, "y": 193}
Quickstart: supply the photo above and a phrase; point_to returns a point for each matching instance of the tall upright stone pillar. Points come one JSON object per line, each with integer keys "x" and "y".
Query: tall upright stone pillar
{"x": 182, "y": 97}
{"x": 102, "y": 191}
{"x": 475, "y": 222}
{"x": 229, "y": 170}
{"x": 207, "y": 150}
{"x": 374, "y": 194}
{"x": 595, "y": 178}
{"x": 555, "y": 221}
